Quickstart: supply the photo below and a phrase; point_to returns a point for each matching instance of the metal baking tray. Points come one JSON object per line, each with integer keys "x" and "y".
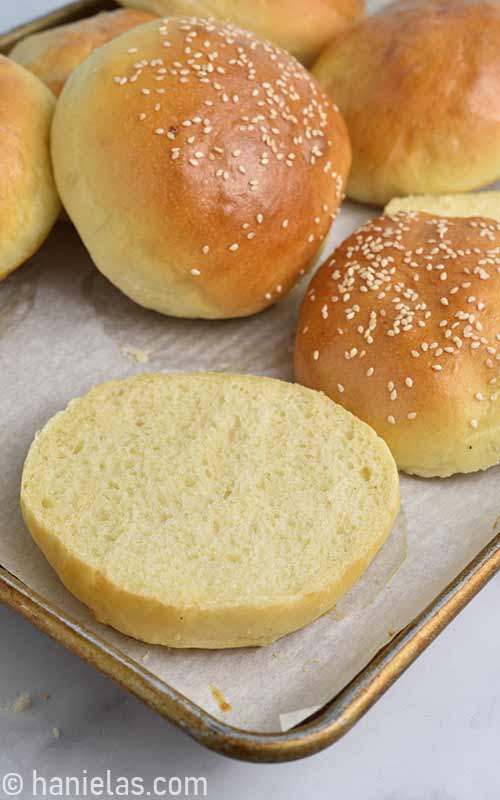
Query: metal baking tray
{"x": 338, "y": 715}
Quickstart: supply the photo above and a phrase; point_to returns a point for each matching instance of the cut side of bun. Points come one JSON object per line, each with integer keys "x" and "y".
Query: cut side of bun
{"x": 208, "y": 510}
{"x": 475, "y": 204}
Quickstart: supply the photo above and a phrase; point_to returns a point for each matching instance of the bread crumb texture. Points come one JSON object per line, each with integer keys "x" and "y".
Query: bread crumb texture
{"x": 468, "y": 204}
{"x": 22, "y": 703}
{"x": 208, "y": 510}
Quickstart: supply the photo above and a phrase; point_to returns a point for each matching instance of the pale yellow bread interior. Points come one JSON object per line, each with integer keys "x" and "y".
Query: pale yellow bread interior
{"x": 208, "y": 510}
{"x": 473, "y": 204}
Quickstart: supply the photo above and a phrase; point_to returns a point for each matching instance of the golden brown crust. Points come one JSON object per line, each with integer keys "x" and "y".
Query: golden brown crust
{"x": 402, "y": 327}
{"x": 143, "y": 124}
{"x": 303, "y": 27}
{"x": 419, "y": 86}
{"x": 53, "y": 55}
{"x": 28, "y": 199}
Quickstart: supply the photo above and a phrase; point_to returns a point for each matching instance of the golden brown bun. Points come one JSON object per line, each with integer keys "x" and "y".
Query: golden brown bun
{"x": 53, "y": 55}
{"x": 402, "y": 327}
{"x": 28, "y": 199}
{"x": 303, "y": 27}
{"x": 203, "y": 179}
{"x": 419, "y": 87}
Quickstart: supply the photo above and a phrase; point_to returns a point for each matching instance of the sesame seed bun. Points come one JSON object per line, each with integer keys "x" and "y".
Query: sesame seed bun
{"x": 303, "y": 27}
{"x": 29, "y": 205}
{"x": 419, "y": 86}
{"x": 52, "y": 55}
{"x": 402, "y": 327}
{"x": 201, "y": 166}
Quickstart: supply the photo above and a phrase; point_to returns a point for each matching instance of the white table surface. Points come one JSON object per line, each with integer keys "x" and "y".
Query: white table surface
{"x": 434, "y": 736}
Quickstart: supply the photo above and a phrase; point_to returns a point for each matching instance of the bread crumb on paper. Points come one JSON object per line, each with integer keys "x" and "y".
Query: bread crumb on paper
{"x": 219, "y": 698}
{"x": 22, "y": 702}
{"x": 136, "y": 354}
{"x": 56, "y": 733}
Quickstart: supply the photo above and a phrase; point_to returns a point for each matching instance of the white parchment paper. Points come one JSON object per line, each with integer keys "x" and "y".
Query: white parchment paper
{"x": 63, "y": 328}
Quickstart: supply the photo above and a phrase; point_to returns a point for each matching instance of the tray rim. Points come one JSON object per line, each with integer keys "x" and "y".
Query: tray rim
{"x": 324, "y": 728}
{"x": 339, "y": 714}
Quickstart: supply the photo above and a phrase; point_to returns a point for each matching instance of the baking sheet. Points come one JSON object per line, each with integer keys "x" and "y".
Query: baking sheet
{"x": 63, "y": 328}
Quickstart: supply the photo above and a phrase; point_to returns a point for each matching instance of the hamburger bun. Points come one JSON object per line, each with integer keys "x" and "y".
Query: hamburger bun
{"x": 419, "y": 86}
{"x": 208, "y": 510}
{"x": 52, "y": 55}
{"x": 29, "y": 204}
{"x": 303, "y": 27}
{"x": 478, "y": 204}
{"x": 201, "y": 166}
{"x": 402, "y": 327}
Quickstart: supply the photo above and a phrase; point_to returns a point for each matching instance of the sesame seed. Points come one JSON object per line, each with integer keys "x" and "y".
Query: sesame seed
{"x": 233, "y": 247}
{"x": 340, "y": 387}
{"x": 391, "y": 420}
{"x": 316, "y": 355}
{"x": 473, "y": 423}
{"x": 195, "y": 272}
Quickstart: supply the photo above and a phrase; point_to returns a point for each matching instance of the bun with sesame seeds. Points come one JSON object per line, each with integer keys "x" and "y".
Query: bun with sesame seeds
{"x": 208, "y": 510}
{"x": 303, "y": 27}
{"x": 419, "y": 86}
{"x": 402, "y": 327}
{"x": 29, "y": 204}
{"x": 201, "y": 166}
{"x": 52, "y": 55}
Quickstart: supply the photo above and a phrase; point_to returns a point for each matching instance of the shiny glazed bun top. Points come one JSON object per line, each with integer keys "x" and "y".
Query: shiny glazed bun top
{"x": 201, "y": 166}
{"x": 419, "y": 86}
{"x": 303, "y": 27}
{"x": 402, "y": 327}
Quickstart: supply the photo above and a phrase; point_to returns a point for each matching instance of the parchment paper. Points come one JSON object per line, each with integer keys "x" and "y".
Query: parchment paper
{"x": 63, "y": 328}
